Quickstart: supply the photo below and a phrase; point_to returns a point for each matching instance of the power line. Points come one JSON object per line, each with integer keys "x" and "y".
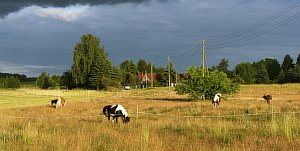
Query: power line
{"x": 255, "y": 35}
{"x": 257, "y": 25}
{"x": 188, "y": 52}
{"x": 246, "y": 34}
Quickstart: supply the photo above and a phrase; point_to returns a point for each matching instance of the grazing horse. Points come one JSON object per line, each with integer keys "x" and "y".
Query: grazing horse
{"x": 216, "y": 100}
{"x": 58, "y": 102}
{"x": 53, "y": 102}
{"x": 116, "y": 111}
{"x": 268, "y": 98}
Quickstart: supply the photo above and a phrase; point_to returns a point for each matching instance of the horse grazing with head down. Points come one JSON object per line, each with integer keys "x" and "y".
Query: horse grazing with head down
{"x": 268, "y": 98}
{"x": 58, "y": 102}
{"x": 116, "y": 111}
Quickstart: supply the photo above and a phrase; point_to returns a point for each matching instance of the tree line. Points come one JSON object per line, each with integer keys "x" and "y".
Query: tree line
{"x": 91, "y": 69}
{"x": 264, "y": 71}
{"x": 9, "y": 80}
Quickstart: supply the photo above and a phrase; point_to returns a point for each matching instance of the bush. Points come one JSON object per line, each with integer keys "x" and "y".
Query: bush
{"x": 213, "y": 82}
{"x": 45, "y": 82}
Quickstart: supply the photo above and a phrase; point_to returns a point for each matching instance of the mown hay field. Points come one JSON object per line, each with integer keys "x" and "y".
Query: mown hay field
{"x": 161, "y": 120}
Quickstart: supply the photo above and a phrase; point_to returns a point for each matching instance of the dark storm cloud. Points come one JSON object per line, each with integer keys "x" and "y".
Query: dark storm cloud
{"x": 8, "y": 6}
{"x": 40, "y": 36}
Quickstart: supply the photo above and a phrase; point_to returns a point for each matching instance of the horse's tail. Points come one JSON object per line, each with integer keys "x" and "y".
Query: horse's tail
{"x": 106, "y": 110}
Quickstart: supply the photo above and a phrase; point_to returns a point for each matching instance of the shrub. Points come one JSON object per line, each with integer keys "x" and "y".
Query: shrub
{"x": 45, "y": 82}
{"x": 213, "y": 82}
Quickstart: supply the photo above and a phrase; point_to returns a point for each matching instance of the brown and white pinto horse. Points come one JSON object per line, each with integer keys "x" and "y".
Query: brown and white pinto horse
{"x": 116, "y": 111}
{"x": 216, "y": 100}
{"x": 58, "y": 102}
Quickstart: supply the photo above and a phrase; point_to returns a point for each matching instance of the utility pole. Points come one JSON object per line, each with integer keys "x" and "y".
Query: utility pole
{"x": 146, "y": 77}
{"x": 203, "y": 64}
{"x": 176, "y": 77}
{"x": 169, "y": 69}
{"x": 151, "y": 76}
{"x": 203, "y": 59}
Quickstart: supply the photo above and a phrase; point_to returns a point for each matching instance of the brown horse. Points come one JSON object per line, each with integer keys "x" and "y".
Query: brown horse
{"x": 268, "y": 98}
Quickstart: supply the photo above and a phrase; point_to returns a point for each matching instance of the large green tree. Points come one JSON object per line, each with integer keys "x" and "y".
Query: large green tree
{"x": 66, "y": 80}
{"x": 273, "y": 68}
{"x": 90, "y": 64}
{"x": 245, "y": 70}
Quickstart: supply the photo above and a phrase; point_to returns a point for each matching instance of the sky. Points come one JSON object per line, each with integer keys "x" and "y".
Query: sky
{"x": 40, "y": 36}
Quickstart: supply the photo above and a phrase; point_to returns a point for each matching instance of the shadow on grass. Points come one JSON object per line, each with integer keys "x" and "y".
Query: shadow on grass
{"x": 169, "y": 99}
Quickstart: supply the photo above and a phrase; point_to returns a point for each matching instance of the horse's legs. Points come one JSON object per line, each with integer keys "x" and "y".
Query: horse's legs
{"x": 113, "y": 120}
{"x": 108, "y": 117}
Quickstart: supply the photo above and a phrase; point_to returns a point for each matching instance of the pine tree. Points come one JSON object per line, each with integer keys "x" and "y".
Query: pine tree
{"x": 297, "y": 73}
{"x": 261, "y": 75}
{"x": 289, "y": 76}
{"x": 280, "y": 77}
{"x": 287, "y": 63}
{"x": 298, "y": 60}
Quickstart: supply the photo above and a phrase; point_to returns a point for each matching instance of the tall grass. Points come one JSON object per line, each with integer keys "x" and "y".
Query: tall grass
{"x": 171, "y": 122}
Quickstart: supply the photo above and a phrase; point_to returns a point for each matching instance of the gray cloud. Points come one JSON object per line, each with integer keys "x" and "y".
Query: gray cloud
{"x": 8, "y": 6}
{"x": 45, "y": 36}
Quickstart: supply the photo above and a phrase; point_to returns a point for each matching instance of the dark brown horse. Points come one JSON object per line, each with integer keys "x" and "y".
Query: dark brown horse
{"x": 268, "y": 98}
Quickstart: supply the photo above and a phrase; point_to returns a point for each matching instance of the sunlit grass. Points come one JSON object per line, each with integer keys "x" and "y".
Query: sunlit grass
{"x": 242, "y": 122}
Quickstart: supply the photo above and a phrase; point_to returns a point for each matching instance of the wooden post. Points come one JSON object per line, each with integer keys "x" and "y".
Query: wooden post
{"x": 169, "y": 70}
{"x": 137, "y": 113}
{"x": 203, "y": 59}
{"x": 151, "y": 76}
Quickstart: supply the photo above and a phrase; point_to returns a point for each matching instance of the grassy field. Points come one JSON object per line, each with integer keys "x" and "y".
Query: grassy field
{"x": 161, "y": 120}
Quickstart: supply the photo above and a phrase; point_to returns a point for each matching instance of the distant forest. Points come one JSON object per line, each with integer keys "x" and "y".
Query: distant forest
{"x": 264, "y": 71}
{"x": 21, "y": 77}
